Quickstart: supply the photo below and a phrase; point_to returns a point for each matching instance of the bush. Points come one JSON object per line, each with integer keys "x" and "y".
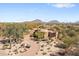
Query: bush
{"x": 69, "y": 41}
{"x": 73, "y": 53}
{"x": 44, "y": 53}
{"x": 42, "y": 45}
{"x": 52, "y": 54}
{"x": 38, "y": 35}
{"x": 70, "y": 33}
{"x": 6, "y": 46}
{"x": 61, "y": 46}
{"x": 41, "y": 49}
{"x": 48, "y": 48}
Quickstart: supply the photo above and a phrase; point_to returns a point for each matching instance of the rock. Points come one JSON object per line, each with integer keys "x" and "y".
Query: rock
{"x": 61, "y": 53}
{"x": 28, "y": 46}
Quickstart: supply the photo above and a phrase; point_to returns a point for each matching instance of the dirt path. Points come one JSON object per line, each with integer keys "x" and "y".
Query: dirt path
{"x": 33, "y": 49}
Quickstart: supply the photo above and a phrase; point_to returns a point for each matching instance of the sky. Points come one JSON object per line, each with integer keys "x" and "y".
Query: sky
{"x": 19, "y": 12}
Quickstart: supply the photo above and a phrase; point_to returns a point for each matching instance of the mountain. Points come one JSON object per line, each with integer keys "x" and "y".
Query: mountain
{"x": 77, "y": 22}
{"x": 43, "y": 22}
{"x": 53, "y": 21}
{"x": 37, "y": 21}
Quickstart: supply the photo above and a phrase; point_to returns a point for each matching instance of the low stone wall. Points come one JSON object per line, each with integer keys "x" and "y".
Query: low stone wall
{"x": 53, "y": 34}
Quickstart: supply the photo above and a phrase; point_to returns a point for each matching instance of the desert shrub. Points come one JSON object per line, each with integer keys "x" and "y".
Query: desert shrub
{"x": 41, "y": 49}
{"x": 6, "y": 46}
{"x": 48, "y": 42}
{"x": 44, "y": 53}
{"x": 38, "y": 35}
{"x": 37, "y": 42}
{"x": 68, "y": 41}
{"x": 71, "y": 33}
{"x": 32, "y": 25}
{"x": 73, "y": 53}
{"x": 41, "y": 26}
{"x": 76, "y": 29}
{"x": 48, "y": 48}
{"x": 16, "y": 51}
{"x": 42, "y": 45}
{"x": 52, "y": 54}
{"x": 69, "y": 36}
{"x": 61, "y": 46}
{"x": 44, "y": 39}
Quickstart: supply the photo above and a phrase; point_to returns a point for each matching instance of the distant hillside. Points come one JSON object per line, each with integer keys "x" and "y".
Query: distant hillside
{"x": 53, "y": 22}
{"x": 37, "y": 21}
{"x": 43, "y": 22}
{"x": 77, "y": 22}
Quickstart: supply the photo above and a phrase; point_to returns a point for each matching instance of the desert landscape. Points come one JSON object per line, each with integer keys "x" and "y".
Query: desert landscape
{"x": 39, "y": 29}
{"x": 36, "y": 38}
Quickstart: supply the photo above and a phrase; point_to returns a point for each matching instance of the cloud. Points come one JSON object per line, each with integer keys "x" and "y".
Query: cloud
{"x": 64, "y": 5}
